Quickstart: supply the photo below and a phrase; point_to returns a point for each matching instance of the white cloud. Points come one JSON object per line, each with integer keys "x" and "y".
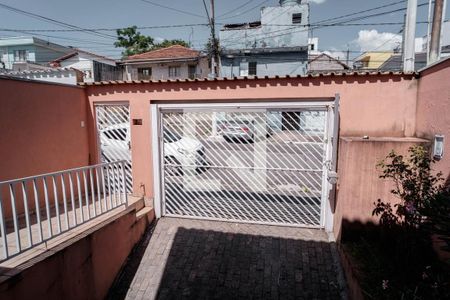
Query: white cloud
{"x": 381, "y": 41}
{"x": 317, "y": 1}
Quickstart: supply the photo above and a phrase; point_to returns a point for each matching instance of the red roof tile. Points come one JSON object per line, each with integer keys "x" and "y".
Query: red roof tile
{"x": 176, "y": 51}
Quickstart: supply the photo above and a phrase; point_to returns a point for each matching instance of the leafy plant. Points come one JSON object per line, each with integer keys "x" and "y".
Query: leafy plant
{"x": 135, "y": 43}
{"x": 168, "y": 43}
{"x": 415, "y": 185}
{"x": 409, "y": 268}
{"x": 437, "y": 213}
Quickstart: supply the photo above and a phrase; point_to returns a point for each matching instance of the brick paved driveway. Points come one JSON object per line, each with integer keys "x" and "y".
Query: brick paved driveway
{"x": 192, "y": 259}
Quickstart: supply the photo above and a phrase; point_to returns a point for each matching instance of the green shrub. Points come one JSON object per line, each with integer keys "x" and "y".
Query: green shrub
{"x": 400, "y": 262}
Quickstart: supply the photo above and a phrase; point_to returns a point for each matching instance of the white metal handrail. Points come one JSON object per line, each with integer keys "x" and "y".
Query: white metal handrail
{"x": 38, "y": 208}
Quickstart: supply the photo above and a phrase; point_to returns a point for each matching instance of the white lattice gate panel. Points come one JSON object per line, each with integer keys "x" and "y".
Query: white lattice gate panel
{"x": 258, "y": 165}
{"x": 113, "y": 126}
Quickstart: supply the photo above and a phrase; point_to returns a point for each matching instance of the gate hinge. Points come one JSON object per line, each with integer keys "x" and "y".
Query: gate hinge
{"x": 332, "y": 177}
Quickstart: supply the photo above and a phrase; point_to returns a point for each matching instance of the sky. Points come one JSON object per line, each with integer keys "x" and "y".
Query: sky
{"x": 190, "y": 13}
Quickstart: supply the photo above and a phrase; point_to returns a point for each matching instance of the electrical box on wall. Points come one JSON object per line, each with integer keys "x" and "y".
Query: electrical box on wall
{"x": 438, "y": 147}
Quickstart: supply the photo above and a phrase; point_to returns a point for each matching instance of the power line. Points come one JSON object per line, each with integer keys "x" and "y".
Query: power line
{"x": 104, "y": 29}
{"x": 246, "y": 11}
{"x": 60, "y": 37}
{"x": 235, "y": 9}
{"x": 318, "y": 26}
{"x": 53, "y": 21}
{"x": 192, "y": 25}
{"x": 292, "y": 26}
{"x": 362, "y": 11}
{"x": 173, "y": 9}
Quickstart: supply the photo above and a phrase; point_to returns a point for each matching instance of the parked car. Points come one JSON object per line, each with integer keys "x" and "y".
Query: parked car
{"x": 178, "y": 150}
{"x": 238, "y": 129}
{"x": 243, "y": 128}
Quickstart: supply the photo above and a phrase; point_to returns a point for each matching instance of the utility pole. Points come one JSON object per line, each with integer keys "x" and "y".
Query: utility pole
{"x": 347, "y": 61}
{"x": 430, "y": 2}
{"x": 214, "y": 71}
{"x": 212, "y": 24}
{"x": 435, "y": 41}
{"x": 410, "y": 36}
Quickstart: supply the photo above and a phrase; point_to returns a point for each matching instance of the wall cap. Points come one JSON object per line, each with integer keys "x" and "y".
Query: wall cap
{"x": 385, "y": 139}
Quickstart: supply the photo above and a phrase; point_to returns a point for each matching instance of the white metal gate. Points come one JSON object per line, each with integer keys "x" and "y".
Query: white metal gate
{"x": 113, "y": 127}
{"x": 246, "y": 164}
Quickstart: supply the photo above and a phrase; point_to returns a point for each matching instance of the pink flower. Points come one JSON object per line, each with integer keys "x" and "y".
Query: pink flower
{"x": 384, "y": 284}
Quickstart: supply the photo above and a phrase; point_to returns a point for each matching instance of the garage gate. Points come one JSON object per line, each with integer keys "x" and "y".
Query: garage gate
{"x": 258, "y": 164}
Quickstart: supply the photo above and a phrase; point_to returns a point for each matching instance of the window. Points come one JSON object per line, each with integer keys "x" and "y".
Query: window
{"x": 252, "y": 68}
{"x": 192, "y": 72}
{"x": 174, "y": 71}
{"x": 20, "y": 55}
{"x": 144, "y": 73}
{"x": 296, "y": 18}
{"x": 311, "y": 47}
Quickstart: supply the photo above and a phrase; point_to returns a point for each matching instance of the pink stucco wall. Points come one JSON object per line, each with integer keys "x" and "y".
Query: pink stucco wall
{"x": 41, "y": 132}
{"x": 360, "y": 185}
{"x": 433, "y": 109}
{"x": 375, "y": 105}
{"x": 40, "y": 127}
{"x": 82, "y": 268}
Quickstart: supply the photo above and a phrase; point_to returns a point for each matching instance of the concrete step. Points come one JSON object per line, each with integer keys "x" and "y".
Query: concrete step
{"x": 146, "y": 212}
{"x": 136, "y": 202}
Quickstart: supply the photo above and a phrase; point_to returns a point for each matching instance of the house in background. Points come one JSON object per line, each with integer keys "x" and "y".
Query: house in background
{"x": 174, "y": 62}
{"x": 323, "y": 62}
{"x": 371, "y": 60}
{"x": 276, "y": 45}
{"x": 17, "y": 52}
{"x": 313, "y": 46}
{"x": 395, "y": 62}
{"x": 94, "y": 67}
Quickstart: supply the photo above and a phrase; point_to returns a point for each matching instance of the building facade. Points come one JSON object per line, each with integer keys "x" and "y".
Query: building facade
{"x": 93, "y": 66}
{"x": 324, "y": 63}
{"x": 20, "y": 50}
{"x": 174, "y": 62}
{"x": 372, "y": 60}
{"x": 276, "y": 45}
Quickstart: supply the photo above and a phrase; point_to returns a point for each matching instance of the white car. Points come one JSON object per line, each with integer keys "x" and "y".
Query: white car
{"x": 244, "y": 127}
{"x": 179, "y": 151}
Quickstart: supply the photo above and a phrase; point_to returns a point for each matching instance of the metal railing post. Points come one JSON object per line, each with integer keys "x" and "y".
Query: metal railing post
{"x": 116, "y": 181}
{"x": 3, "y": 227}
{"x": 124, "y": 184}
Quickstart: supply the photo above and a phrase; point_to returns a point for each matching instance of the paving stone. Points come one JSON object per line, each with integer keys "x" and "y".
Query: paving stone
{"x": 195, "y": 259}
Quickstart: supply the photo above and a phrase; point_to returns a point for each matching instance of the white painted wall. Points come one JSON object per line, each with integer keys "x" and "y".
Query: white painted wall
{"x": 160, "y": 71}
{"x": 56, "y": 76}
{"x": 84, "y": 63}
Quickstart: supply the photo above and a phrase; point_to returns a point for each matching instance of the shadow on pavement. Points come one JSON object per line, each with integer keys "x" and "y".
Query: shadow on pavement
{"x": 206, "y": 264}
